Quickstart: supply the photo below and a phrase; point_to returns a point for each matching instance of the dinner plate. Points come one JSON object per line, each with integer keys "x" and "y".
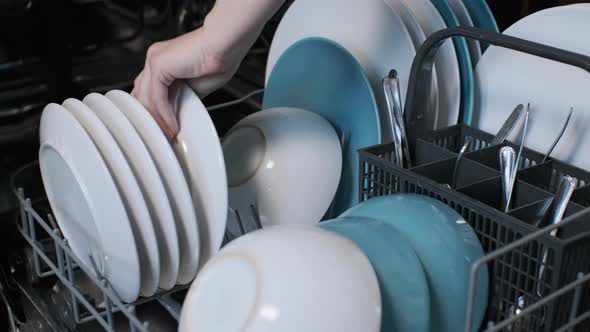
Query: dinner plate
{"x": 403, "y": 285}
{"x": 505, "y": 78}
{"x": 149, "y": 180}
{"x": 466, "y": 21}
{"x": 369, "y": 30}
{"x": 137, "y": 210}
{"x": 173, "y": 178}
{"x": 446, "y": 61}
{"x": 418, "y": 38}
{"x": 465, "y": 66}
{"x": 319, "y": 75}
{"x": 86, "y": 203}
{"x": 482, "y": 17}
{"x": 447, "y": 248}
{"x": 198, "y": 149}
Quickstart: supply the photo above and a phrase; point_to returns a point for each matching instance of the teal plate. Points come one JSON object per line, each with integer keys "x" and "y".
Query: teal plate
{"x": 465, "y": 65}
{"x": 447, "y": 248}
{"x": 482, "y": 17}
{"x": 404, "y": 290}
{"x": 319, "y": 75}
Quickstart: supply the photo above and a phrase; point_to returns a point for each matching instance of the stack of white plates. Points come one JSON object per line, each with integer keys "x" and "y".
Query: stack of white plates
{"x": 136, "y": 209}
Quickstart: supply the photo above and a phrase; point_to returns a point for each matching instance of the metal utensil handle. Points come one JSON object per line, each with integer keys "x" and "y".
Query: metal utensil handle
{"x": 398, "y": 114}
{"x": 388, "y": 91}
{"x": 507, "y": 167}
{"x": 416, "y": 104}
{"x": 564, "y": 192}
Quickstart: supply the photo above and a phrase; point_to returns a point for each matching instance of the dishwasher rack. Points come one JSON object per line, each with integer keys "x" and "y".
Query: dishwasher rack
{"x": 49, "y": 255}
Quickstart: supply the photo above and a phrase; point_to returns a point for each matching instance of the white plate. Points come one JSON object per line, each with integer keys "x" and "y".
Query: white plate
{"x": 141, "y": 222}
{"x": 465, "y": 20}
{"x": 174, "y": 181}
{"x": 198, "y": 149}
{"x": 147, "y": 175}
{"x": 369, "y": 30}
{"x": 505, "y": 78}
{"x": 86, "y": 203}
{"x": 418, "y": 38}
{"x": 447, "y": 64}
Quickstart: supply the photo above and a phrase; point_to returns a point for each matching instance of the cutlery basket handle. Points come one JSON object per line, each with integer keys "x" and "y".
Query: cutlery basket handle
{"x": 416, "y": 104}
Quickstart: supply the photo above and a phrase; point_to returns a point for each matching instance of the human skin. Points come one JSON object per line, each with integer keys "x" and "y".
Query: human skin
{"x": 205, "y": 58}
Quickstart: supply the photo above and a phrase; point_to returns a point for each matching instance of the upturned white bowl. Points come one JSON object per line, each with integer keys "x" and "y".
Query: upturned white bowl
{"x": 288, "y": 279}
{"x": 284, "y": 161}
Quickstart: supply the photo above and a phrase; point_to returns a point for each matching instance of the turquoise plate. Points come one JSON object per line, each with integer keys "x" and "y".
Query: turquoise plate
{"x": 447, "y": 248}
{"x": 465, "y": 65}
{"x": 320, "y": 76}
{"x": 482, "y": 17}
{"x": 404, "y": 290}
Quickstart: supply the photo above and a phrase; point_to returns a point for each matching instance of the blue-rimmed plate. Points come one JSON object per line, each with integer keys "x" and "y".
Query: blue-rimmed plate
{"x": 447, "y": 248}
{"x": 319, "y": 75}
{"x": 465, "y": 66}
{"x": 482, "y": 17}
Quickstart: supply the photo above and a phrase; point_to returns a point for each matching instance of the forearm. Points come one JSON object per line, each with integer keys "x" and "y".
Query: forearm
{"x": 233, "y": 26}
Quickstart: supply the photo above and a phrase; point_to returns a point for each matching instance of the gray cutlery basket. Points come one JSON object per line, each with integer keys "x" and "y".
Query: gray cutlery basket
{"x": 514, "y": 247}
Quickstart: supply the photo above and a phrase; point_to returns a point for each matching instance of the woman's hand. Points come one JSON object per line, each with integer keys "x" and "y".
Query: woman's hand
{"x": 205, "y": 58}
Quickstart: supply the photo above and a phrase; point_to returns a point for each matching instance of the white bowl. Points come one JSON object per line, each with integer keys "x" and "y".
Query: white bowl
{"x": 286, "y": 162}
{"x": 285, "y": 278}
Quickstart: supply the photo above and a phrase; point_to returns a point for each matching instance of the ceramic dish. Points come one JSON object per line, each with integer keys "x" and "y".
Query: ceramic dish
{"x": 447, "y": 248}
{"x": 369, "y": 30}
{"x": 288, "y": 279}
{"x": 404, "y": 290}
{"x": 446, "y": 61}
{"x": 338, "y": 90}
{"x": 286, "y": 162}
{"x": 149, "y": 180}
{"x": 86, "y": 203}
{"x": 465, "y": 66}
{"x": 172, "y": 177}
{"x": 137, "y": 210}
{"x": 482, "y": 17}
{"x": 505, "y": 78}
{"x": 418, "y": 37}
{"x": 198, "y": 149}
{"x": 466, "y": 21}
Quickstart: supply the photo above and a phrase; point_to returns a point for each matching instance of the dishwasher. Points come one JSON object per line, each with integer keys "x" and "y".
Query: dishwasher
{"x": 51, "y": 50}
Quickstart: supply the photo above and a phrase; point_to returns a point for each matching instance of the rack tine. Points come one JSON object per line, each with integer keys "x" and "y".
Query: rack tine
{"x": 23, "y": 212}
{"x": 256, "y": 215}
{"x": 240, "y": 222}
{"x": 52, "y": 223}
{"x": 33, "y": 235}
{"x": 72, "y": 280}
{"x": 60, "y": 254}
{"x": 108, "y": 306}
{"x": 132, "y": 327}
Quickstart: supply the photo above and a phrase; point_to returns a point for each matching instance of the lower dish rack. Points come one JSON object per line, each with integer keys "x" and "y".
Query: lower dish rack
{"x": 514, "y": 248}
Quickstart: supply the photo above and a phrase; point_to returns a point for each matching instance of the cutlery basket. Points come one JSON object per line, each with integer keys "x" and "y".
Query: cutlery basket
{"x": 513, "y": 246}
